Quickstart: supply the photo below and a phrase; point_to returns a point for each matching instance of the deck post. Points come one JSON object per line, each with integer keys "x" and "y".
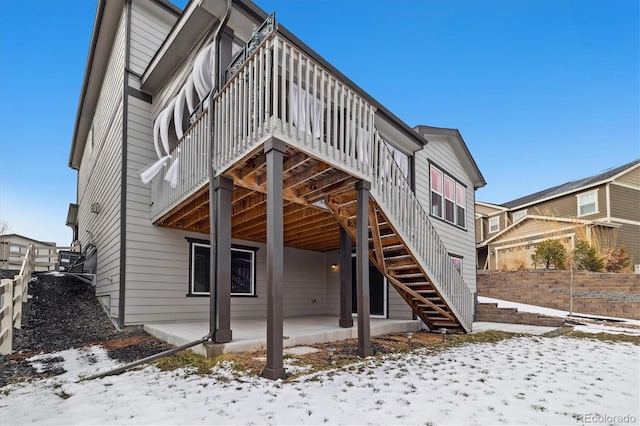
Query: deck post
{"x": 362, "y": 268}
{"x": 346, "y": 317}
{"x": 274, "y": 150}
{"x": 223, "y": 187}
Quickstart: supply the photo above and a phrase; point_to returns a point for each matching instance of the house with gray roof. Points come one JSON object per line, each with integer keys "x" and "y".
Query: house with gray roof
{"x": 603, "y": 209}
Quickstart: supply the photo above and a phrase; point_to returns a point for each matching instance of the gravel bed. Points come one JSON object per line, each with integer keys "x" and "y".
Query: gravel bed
{"x": 609, "y": 295}
{"x": 62, "y": 312}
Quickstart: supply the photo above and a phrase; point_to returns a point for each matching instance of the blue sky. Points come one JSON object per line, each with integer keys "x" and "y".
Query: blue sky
{"x": 542, "y": 91}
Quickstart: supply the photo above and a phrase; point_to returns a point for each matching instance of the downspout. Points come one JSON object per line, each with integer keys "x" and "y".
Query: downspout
{"x": 213, "y": 320}
{"x": 213, "y": 210}
{"x": 123, "y": 174}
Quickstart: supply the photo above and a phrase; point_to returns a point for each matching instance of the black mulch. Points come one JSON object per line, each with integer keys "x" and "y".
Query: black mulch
{"x": 63, "y": 313}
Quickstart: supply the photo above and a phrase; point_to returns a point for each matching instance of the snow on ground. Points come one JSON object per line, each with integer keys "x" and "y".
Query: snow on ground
{"x": 587, "y": 328}
{"x": 525, "y": 380}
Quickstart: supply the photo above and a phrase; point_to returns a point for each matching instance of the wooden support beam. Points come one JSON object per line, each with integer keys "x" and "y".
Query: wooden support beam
{"x": 420, "y": 298}
{"x": 311, "y": 172}
{"x": 223, "y": 187}
{"x": 294, "y": 161}
{"x": 346, "y": 317}
{"x": 274, "y": 368}
{"x": 375, "y": 235}
{"x": 362, "y": 270}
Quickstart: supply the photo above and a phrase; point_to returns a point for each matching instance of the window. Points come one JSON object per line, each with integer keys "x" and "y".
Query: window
{"x": 243, "y": 272}
{"x": 448, "y": 198}
{"x": 494, "y": 224}
{"x": 519, "y": 215}
{"x": 461, "y": 208}
{"x": 588, "y": 203}
{"x": 457, "y": 262}
{"x": 436, "y": 192}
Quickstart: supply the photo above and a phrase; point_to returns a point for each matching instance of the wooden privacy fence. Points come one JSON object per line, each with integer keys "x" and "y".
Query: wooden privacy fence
{"x": 13, "y": 293}
{"x": 12, "y": 255}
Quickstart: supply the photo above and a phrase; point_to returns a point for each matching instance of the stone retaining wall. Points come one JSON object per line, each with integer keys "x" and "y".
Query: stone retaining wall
{"x": 490, "y": 312}
{"x": 607, "y": 294}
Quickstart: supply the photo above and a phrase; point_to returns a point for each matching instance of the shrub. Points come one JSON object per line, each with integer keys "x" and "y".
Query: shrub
{"x": 586, "y": 257}
{"x": 618, "y": 261}
{"x": 550, "y": 252}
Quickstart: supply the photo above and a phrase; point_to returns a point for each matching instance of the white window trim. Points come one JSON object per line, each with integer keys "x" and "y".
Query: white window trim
{"x": 451, "y": 200}
{"x": 252, "y": 293}
{"x": 463, "y": 204}
{"x": 523, "y": 213}
{"x": 444, "y": 198}
{"x": 595, "y": 196}
{"x": 441, "y": 193}
{"x": 496, "y": 220}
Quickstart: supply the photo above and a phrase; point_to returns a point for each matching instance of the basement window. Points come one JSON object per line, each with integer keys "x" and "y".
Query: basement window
{"x": 243, "y": 270}
{"x": 457, "y": 262}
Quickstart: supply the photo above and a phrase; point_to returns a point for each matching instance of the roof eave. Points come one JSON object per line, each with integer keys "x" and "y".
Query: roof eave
{"x": 104, "y": 29}
{"x": 162, "y": 65}
{"x": 460, "y": 148}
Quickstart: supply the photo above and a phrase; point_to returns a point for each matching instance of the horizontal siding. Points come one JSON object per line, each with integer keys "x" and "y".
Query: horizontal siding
{"x": 625, "y": 203}
{"x": 332, "y": 287}
{"x": 625, "y": 206}
{"x": 630, "y": 178}
{"x": 458, "y": 241}
{"x": 397, "y": 306}
{"x": 629, "y": 237}
{"x": 567, "y": 206}
{"x": 150, "y": 25}
{"x": 99, "y": 178}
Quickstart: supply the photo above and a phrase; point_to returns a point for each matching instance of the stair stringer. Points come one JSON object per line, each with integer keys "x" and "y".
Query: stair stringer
{"x": 436, "y": 265}
{"x": 411, "y": 297}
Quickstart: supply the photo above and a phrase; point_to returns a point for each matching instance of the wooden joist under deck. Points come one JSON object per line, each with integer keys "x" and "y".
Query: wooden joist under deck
{"x": 306, "y": 182}
{"x": 318, "y": 199}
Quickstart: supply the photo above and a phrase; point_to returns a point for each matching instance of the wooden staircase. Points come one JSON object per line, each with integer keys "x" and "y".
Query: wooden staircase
{"x": 389, "y": 253}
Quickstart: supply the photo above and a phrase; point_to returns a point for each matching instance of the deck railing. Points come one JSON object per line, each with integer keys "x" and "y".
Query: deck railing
{"x": 281, "y": 92}
{"x": 13, "y": 293}
{"x": 391, "y": 190}
{"x": 193, "y": 153}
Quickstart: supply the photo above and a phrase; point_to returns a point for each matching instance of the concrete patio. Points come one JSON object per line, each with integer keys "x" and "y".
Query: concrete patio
{"x": 249, "y": 335}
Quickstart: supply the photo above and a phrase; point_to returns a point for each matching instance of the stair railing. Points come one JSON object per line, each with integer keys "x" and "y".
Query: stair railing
{"x": 392, "y": 191}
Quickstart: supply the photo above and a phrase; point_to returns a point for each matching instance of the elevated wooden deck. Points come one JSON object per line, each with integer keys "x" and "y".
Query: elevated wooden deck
{"x": 331, "y": 143}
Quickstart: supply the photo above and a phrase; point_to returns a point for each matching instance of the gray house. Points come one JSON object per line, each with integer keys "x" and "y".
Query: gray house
{"x": 215, "y": 127}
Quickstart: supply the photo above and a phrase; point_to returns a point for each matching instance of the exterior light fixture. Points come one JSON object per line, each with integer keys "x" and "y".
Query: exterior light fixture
{"x": 334, "y": 266}
{"x": 444, "y": 333}
{"x": 409, "y": 337}
{"x": 330, "y": 351}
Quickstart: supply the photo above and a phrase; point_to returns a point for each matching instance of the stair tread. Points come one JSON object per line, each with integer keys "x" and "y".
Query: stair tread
{"x": 417, "y": 275}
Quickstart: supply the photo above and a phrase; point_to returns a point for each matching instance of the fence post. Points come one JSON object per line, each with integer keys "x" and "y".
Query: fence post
{"x": 6, "y": 317}
{"x": 18, "y": 282}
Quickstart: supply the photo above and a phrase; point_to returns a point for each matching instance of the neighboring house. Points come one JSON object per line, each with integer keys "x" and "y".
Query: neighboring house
{"x": 162, "y": 87}
{"x": 13, "y": 248}
{"x": 603, "y": 209}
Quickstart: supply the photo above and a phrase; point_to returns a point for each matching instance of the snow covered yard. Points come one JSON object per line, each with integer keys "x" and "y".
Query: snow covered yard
{"x": 522, "y": 380}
